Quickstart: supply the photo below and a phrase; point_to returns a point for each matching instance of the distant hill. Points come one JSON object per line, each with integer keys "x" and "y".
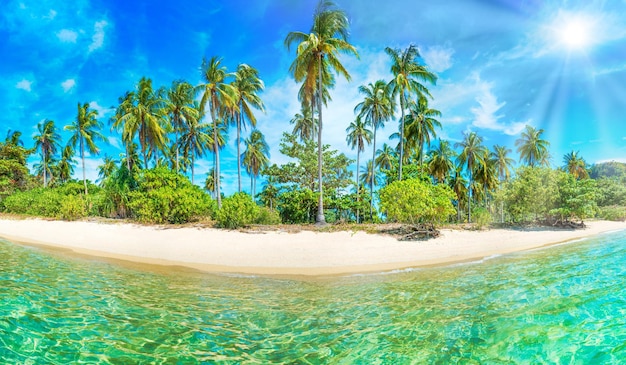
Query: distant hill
{"x": 608, "y": 169}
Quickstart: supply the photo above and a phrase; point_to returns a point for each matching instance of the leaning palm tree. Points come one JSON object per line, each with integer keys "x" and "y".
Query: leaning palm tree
{"x": 575, "y": 165}
{"x": 179, "y": 106}
{"x": 85, "y": 133}
{"x": 532, "y": 149}
{"x": 440, "y": 162}
{"x": 407, "y": 74}
{"x": 377, "y": 107}
{"x": 317, "y": 53}
{"x": 420, "y": 125}
{"x": 248, "y": 85}
{"x": 358, "y": 135}
{"x": 304, "y": 124}
{"x": 255, "y": 157}
{"x": 472, "y": 153}
{"x": 47, "y": 139}
{"x": 217, "y": 95}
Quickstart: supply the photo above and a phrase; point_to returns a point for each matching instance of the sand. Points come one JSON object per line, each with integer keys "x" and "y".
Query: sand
{"x": 281, "y": 253}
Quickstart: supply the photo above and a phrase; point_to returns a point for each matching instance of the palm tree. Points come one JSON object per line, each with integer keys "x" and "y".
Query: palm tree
{"x": 575, "y": 165}
{"x": 195, "y": 140}
{"x": 108, "y": 167}
{"x": 532, "y": 149}
{"x": 142, "y": 112}
{"x": 358, "y": 135}
{"x": 440, "y": 161}
{"x": 209, "y": 183}
{"x": 14, "y": 138}
{"x": 304, "y": 124}
{"x": 377, "y": 107}
{"x": 217, "y": 94}
{"x": 85, "y": 129}
{"x": 486, "y": 174}
{"x": 504, "y": 163}
{"x": 47, "y": 140}
{"x": 459, "y": 186}
{"x": 247, "y": 84}
{"x": 255, "y": 157}
{"x": 66, "y": 165}
{"x": 472, "y": 153}
{"x": 386, "y": 157}
{"x": 179, "y": 106}
{"x": 420, "y": 125}
{"x": 407, "y": 73}
{"x": 316, "y": 55}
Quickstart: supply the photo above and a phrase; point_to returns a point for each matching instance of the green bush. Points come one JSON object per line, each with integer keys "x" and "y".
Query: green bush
{"x": 164, "y": 196}
{"x": 414, "y": 200}
{"x": 612, "y": 213}
{"x": 481, "y": 217}
{"x": 72, "y": 208}
{"x": 43, "y": 202}
{"x": 267, "y": 216}
{"x": 238, "y": 210}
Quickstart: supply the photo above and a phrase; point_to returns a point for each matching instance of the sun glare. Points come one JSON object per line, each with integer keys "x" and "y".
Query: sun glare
{"x": 574, "y": 32}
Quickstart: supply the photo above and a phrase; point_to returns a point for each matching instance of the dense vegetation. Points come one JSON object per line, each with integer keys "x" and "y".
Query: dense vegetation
{"x": 422, "y": 179}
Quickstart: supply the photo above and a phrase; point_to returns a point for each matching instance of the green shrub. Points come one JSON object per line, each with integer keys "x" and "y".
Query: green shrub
{"x": 414, "y": 200}
{"x": 612, "y": 213}
{"x": 237, "y": 211}
{"x": 481, "y": 217}
{"x": 72, "y": 208}
{"x": 164, "y": 196}
{"x": 267, "y": 216}
{"x": 43, "y": 202}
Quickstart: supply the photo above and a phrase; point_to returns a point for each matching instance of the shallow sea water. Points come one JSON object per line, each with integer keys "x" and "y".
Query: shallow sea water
{"x": 560, "y": 305}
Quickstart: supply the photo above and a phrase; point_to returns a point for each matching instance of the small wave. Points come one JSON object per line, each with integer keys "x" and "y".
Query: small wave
{"x": 384, "y": 273}
{"x": 477, "y": 261}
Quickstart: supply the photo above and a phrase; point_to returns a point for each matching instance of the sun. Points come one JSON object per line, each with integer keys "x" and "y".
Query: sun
{"x": 574, "y": 32}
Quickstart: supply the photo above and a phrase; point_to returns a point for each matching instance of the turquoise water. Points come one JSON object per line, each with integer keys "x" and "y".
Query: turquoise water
{"x": 565, "y": 305}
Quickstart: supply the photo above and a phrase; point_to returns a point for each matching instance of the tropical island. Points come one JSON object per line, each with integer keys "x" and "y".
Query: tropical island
{"x": 422, "y": 181}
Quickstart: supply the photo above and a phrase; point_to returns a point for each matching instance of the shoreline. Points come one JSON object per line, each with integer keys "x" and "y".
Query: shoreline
{"x": 279, "y": 253}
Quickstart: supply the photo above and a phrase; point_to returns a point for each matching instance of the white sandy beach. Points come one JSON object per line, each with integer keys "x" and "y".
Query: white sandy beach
{"x": 281, "y": 253}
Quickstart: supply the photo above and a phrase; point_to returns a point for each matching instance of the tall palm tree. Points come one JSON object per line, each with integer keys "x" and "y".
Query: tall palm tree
{"x": 317, "y": 53}
{"x": 66, "y": 165}
{"x": 358, "y": 135}
{"x": 532, "y": 149}
{"x": 460, "y": 187}
{"x": 440, "y": 162}
{"x": 217, "y": 94}
{"x": 209, "y": 183}
{"x": 472, "y": 153}
{"x": 486, "y": 174}
{"x": 179, "y": 106}
{"x": 368, "y": 175}
{"x": 195, "y": 140}
{"x": 304, "y": 124}
{"x": 377, "y": 107}
{"x": 85, "y": 129}
{"x": 248, "y": 85}
{"x": 46, "y": 139}
{"x": 420, "y": 125}
{"x": 575, "y": 165}
{"x": 407, "y": 74}
{"x": 255, "y": 157}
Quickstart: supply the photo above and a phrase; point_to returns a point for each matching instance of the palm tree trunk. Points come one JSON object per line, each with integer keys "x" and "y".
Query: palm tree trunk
{"x": 238, "y": 149}
{"x": 45, "y": 166}
{"x": 193, "y": 160}
{"x": 469, "y": 199}
{"x": 252, "y": 185}
{"x": 358, "y": 155}
{"x": 82, "y": 156}
{"x": 217, "y": 157}
{"x": 176, "y": 147}
{"x": 401, "y": 135}
{"x": 320, "y": 219}
{"x": 372, "y": 179}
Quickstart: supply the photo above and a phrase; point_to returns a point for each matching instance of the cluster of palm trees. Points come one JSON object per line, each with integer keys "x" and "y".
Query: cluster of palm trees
{"x": 168, "y": 124}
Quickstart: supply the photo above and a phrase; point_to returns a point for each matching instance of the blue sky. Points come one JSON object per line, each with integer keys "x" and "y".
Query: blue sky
{"x": 502, "y": 64}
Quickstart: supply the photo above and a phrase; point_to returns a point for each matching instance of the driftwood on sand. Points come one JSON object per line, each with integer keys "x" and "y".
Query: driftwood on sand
{"x": 414, "y": 232}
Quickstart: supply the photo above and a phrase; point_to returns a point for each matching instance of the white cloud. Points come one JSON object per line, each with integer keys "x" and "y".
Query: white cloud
{"x": 24, "y": 85}
{"x": 67, "y": 36}
{"x": 438, "y": 58}
{"x": 102, "y": 111}
{"x": 68, "y": 85}
{"x": 98, "y": 37}
{"x": 115, "y": 142}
